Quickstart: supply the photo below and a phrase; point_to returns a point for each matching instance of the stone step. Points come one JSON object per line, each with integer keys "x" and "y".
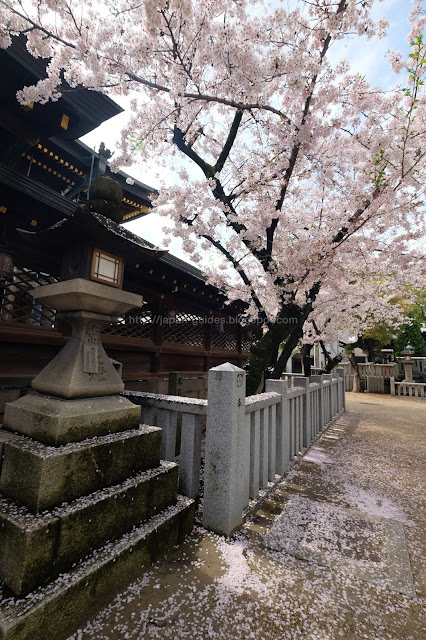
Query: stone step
{"x": 49, "y": 476}
{"x": 33, "y": 548}
{"x": 56, "y": 610}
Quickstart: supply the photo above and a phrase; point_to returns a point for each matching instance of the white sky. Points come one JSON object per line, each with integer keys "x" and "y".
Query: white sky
{"x": 365, "y": 56}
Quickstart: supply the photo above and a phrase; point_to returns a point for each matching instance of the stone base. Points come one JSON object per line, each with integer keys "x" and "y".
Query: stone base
{"x": 34, "y": 548}
{"x": 55, "y": 611}
{"x": 55, "y": 421}
{"x": 5, "y": 437}
{"x": 41, "y": 477}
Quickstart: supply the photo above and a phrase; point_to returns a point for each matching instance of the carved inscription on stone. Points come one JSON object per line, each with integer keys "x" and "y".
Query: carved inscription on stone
{"x": 90, "y": 349}
{"x": 100, "y": 374}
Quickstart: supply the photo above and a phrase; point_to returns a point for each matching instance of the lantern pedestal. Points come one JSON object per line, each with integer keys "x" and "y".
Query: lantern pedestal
{"x": 82, "y": 369}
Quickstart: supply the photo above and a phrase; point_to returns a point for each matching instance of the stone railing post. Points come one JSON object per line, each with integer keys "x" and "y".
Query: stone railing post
{"x": 335, "y": 392}
{"x": 174, "y": 383}
{"x": 190, "y": 455}
{"x": 320, "y": 381}
{"x": 342, "y": 392}
{"x": 167, "y": 421}
{"x": 227, "y": 461}
{"x": 327, "y": 377}
{"x": 282, "y": 452}
{"x": 307, "y": 423}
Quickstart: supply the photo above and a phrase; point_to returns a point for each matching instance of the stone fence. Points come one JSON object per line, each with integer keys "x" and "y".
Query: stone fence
{"x": 249, "y": 441}
{"x": 372, "y": 369}
{"x": 374, "y": 377}
{"x": 408, "y": 388}
{"x": 167, "y": 412}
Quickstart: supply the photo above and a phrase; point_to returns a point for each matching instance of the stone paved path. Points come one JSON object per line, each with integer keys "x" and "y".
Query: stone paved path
{"x": 354, "y": 509}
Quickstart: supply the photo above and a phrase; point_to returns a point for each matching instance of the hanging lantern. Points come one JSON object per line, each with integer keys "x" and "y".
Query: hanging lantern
{"x": 6, "y": 265}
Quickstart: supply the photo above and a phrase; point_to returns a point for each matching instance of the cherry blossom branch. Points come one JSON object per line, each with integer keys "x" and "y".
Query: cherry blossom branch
{"x": 218, "y": 191}
{"x": 270, "y": 231}
{"x": 38, "y": 26}
{"x": 235, "y": 263}
{"x": 358, "y": 213}
{"x": 240, "y": 106}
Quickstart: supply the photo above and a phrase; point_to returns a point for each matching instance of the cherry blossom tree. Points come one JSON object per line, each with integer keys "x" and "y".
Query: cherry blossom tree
{"x": 362, "y": 303}
{"x": 293, "y": 169}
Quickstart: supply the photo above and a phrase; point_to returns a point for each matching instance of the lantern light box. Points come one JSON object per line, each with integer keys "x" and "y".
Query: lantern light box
{"x": 106, "y": 268}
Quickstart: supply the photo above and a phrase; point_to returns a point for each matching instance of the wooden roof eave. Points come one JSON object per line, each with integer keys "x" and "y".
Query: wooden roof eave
{"x": 36, "y": 190}
{"x": 93, "y": 106}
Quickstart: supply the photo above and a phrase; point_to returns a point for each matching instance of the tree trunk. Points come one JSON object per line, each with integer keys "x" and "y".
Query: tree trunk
{"x": 285, "y": 328}
{"x": 306, "y": 359}
{"x": 354, "y": 363}
{"x": 290, "y": 345}
{"x": 331, "y": 363}
{"x": 261, "y": 352}
{"x": 371, "y": 353}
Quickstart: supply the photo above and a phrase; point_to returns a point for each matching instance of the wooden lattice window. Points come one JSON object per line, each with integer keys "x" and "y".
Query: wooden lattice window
{"x": 226, "y": 338}
{"x": 17, "y": 302}
{"x": 184, "y": 328}
{"x": 246, "y": 343}
{"x": 137, "y": 323}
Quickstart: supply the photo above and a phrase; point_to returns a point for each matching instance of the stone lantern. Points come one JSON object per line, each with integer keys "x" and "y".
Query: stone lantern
{"x": 90, "y": 250}
{"x": 78, "y": 469}
{"x": 408, "y": 363}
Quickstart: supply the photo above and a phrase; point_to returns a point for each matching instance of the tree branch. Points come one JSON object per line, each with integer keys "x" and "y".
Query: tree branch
{"x": 218, "y": 190}
{"x": 38, "y": 26}
{"x": 179, "y": 141}
{"x": 241, "y": 273}
{"x": 240, "y": 106}
{"x": 358, "y": 213}
{"x": 229, "y": 142}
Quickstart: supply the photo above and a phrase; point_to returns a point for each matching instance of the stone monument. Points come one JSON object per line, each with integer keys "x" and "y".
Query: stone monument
{"x": 85, "y": 501}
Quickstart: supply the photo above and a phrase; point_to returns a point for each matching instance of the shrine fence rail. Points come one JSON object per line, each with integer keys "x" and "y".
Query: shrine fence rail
{"x": 249, "y": 441}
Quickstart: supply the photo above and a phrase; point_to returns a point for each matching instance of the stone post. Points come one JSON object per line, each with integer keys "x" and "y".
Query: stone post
{"x": 327, "y": 399}
{"x": 190, "y": 455}
{"x": 227, "y": 461}
{"x": 335, "y": 395}
{"x": 174, "y": 384}
{"x": 283, "y": 425}
{"x": 253, "y": 422}
{"x": 307, "y": 425}
{"x": 264, "y": 448}
{"x": 342, "y": 395}
{"x": 167, "y": 421}
{"x": 320, "y": 381}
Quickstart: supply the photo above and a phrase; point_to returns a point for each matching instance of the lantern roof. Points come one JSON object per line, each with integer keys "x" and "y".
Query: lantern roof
{"x": 89, "y": 227}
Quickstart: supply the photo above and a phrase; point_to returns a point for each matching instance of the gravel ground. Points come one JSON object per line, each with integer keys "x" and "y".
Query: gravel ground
{"x": 254, "y": 585}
